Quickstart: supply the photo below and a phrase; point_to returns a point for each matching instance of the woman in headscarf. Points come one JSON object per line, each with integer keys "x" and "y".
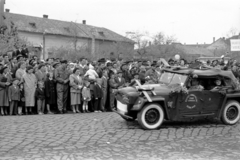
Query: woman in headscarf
{"x": 29, "y": 81}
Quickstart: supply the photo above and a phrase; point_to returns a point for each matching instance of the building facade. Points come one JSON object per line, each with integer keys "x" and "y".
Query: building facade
{"x": 85, "y": 39}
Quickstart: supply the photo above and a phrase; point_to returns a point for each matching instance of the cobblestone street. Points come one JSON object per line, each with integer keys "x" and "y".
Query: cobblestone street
{"x": 108, "y": 136}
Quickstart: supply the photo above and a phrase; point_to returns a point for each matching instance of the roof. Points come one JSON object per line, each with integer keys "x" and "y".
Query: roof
{"x": 203, "y": 73}
{"x": 50, "y": 26}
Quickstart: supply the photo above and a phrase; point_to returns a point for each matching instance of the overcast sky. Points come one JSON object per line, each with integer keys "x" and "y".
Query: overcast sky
{"x": 191, "y": 21}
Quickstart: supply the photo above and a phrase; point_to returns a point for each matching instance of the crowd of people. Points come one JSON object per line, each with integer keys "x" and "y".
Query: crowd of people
{"x": 31, "y": 86}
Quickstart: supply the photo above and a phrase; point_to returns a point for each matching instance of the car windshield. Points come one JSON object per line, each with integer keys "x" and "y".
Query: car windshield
{"x": 173, "y": 78}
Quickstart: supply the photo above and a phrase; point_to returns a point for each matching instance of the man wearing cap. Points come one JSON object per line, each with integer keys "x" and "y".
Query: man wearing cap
{"x": 62, "y": 78}
{"x": 100, "y": 67}
{"x": 41, "y": 74}
{"x": 152, "y": 73}
{"x": 195, "y": 85}
{"x": 120, "y": 80}
{"x": 126, "y": 73}
{"x": 55, "y": 65}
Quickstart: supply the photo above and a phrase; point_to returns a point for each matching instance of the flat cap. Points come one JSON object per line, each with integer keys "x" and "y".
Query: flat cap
{"x": 64, "y": 61}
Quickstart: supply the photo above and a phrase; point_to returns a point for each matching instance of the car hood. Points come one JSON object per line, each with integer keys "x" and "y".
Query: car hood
{"x": 159, "y": 89}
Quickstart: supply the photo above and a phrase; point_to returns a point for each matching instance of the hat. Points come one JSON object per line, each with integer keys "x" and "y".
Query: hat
{"x": 109, "y": 64}
{"x": 64, "y": 61}
{"x": 15, "y": 79}
{"x": 4, "y": 67}
{"x": 31, "y": 61}
{"x": 28, "y": 68}
{"x": 154, "y": 65}
{"x": 19, "y": 56}
{"x": 54, "y": 64}
{"x": 119, "y": 71}
{"x": 102, "y": 60}
{"x": 41, "y": 65}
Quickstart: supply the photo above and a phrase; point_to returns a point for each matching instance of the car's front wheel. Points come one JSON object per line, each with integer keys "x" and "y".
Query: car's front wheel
{"x": 231, "y": 112}
{"x": 151, "y": 116}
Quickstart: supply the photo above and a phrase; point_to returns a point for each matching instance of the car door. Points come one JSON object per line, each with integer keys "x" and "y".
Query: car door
{"x": 213, "y": 100}
{"x": 190, "y": 104}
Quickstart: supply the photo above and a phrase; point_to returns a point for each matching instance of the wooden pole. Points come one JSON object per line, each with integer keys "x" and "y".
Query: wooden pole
{"x": 44, "y": 45}
{"x": 93, "y": 45}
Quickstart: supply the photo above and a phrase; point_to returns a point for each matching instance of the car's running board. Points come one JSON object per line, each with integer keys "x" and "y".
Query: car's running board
{"x": 199, "y": 115}
{"x": 125, "y": 116}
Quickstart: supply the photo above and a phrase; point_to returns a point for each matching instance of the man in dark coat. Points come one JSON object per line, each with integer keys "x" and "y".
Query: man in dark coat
{"x": 104, "y": 89}
{"x": 50, "y": 92}
{"x": 120, "y": 80}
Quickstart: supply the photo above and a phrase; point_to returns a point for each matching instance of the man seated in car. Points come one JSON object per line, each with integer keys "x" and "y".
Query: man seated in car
{"x": 195, "y": 84}
{"x": 218, "y": 84}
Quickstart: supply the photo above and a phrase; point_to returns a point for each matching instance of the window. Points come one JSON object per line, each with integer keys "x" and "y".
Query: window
{"x": 33, "y": 24}
{"x": 67, "y": 29}
{"x": 173, "y": 78}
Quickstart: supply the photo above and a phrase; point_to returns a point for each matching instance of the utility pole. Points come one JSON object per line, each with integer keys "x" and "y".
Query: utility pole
{"x": 93, "y": 42}
{"x": 44, "y": 45}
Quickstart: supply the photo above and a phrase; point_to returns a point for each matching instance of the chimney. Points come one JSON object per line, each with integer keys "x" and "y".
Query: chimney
{"x": 84, "y": 22}
{"x": 223, "y": 38}
{"x": 7, "y": 10}
{"x": 45, "y": 16}
{"x": 213, "y": 39}
{"x": 149, "y": 43}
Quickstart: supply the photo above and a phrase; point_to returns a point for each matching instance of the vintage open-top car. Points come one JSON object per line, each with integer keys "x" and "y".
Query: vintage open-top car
{"x": 182, "y": 94}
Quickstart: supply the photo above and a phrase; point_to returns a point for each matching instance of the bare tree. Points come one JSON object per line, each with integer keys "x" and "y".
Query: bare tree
{"x": 160, "y": 38}
{"x": 232, "y": 32}
{"x": 141, "y": 40}
{"x": 9, "y": 39}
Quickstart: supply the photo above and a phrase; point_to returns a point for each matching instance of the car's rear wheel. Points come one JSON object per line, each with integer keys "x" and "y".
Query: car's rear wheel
{"x": 151, "y": 116}
{"x": 231, "y": 112}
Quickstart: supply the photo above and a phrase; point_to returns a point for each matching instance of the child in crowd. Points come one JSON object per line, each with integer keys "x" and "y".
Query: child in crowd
{"x": 14, "y": 96}
{"x": 86, "y": 96}
{"x": 40, "y": 97}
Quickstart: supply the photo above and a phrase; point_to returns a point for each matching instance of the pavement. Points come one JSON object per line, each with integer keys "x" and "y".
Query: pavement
{"x": 106, "y": 136}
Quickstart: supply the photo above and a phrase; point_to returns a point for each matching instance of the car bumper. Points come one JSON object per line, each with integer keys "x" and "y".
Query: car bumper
{"x": 122, "y": 110}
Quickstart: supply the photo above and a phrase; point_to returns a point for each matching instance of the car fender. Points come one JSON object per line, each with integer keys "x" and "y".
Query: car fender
{"x": 141, "y": 102}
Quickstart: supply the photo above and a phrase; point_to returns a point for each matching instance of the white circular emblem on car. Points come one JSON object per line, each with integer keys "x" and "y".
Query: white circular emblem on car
{"x": 192, "y": 99}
